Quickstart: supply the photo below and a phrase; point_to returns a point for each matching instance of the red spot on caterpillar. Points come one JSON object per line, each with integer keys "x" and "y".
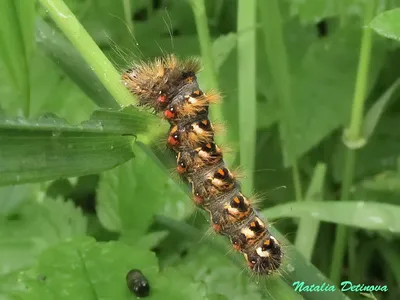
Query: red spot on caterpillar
{"x": 217, "y": 228}
{"x": 169, "y": 113}
{"x": 172, "y": 141}
{"x": 236, "y": 246}
{"x": 162, "y": 98}
{"x": 198, "y": 199}
{"x": 181, "y": 168}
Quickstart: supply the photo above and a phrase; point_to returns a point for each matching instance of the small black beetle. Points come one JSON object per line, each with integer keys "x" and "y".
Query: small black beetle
{"x": 137, "y": 283}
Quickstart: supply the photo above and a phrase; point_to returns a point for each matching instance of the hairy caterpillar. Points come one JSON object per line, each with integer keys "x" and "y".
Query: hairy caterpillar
{"x": 170, "y": 86}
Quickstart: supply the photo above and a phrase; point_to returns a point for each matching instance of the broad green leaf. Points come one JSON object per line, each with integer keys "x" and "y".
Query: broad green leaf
{"x": 323, "y": 107}
{"x": 103, "y": 20}
{"x": 37, "y": 225}
{"x": 313, "y": 11}
{"x": 376, "y": 111}
{"x": 55, "y": 46}
{"x": 9, "y": 285}
{"x": 387, "y": 24}
{"x": 130, "y": 195}
{"x": 13, "y": 196}
{"x": 365, "y": 215}
{"x": 16, "y": 44}
{"x": 90, "y": 270}
{"x": 50, "y": 148}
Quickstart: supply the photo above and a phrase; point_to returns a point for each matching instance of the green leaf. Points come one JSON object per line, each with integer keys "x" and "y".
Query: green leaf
{"x": 9, "y": 285}
{"x": 221, "y": 277}
{"x": 13, "y": 196}
{"x": 50, "y": 91}
{"x": 37, "y": 225}
{"x": 376, "y": 111}
{"x": 90, "y": 270}
{"x": 365, "y": 215}
{"x": 387, "y": 181}
{"x": 387, "y": 24}
{"x": 373, "y": 158}
{"x": 130, "y": 195}
{"x": 383, "y": 187}
{"x": 50, "y": 148}
{"x": 103, "y": 20}
{"x": 294, "y": 268}
{"x": 222, "y": 48}
{"x": 16, "y": 44}
{"x": 313, "y": 11}
{"x": 307, "y": 231}
{"x": 56, "y": 47}
{"x": 323, "y": 107}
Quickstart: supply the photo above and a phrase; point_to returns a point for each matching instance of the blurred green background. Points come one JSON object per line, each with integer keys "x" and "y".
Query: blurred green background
{"x": 87, "y": 188}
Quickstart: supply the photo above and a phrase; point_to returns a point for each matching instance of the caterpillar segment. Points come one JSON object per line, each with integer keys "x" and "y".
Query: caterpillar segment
{"x": 170, "y": 86}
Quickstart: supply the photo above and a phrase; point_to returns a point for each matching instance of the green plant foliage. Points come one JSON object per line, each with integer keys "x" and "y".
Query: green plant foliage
{"x": 38, "y": 224}
{"x": 54, "y": 148}
{"x": 387, "y": 24}
{"x": 130, "y": 195}
{"x": 88, "y": 190}
{"x": 16, "y": 44}
{"x": 93, "y": 269}
{"x": 366, "y": 215}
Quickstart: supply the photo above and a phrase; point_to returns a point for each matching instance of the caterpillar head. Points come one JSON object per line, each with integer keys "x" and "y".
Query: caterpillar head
{"x": 266, "y": 258}
{"x": 156, "y": 83}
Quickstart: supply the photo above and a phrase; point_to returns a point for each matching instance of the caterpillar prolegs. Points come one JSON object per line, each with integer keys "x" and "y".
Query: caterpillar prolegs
{"x": 170, "y": 86}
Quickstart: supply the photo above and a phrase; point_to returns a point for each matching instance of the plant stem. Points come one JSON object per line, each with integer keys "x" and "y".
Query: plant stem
{"x": 246, "y": 43}
{"x": 199, "y": 11}
{"x": 210, "y": 73}
{"x": 128, "y": 15}
{"x": 352, "y": 136}
{"x": 89, "y": 50}
{"x": 278, "y": 62}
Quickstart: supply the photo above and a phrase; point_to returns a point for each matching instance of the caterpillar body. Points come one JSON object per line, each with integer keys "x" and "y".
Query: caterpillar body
{"x": 170, "y": 86}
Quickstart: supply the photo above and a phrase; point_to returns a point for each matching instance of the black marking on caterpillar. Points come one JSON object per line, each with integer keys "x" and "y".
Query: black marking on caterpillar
{"x": 170, "y": 86}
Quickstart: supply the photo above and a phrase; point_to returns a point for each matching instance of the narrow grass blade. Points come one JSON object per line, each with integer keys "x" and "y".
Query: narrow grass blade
{"x": 247, "y": 12}
{"x": 307, "y": 231}
{"x": 16, "y": 44}
{"x": 376, "y": 111}
{"x": 222, "y": 47}
{"x": 365, "y": 215}
{"x": 210, "y": 72}
{"x": 276, "y": 52}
